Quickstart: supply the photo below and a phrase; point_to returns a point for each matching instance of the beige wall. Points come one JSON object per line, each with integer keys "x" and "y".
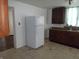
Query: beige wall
{"x": 11, "y": 21}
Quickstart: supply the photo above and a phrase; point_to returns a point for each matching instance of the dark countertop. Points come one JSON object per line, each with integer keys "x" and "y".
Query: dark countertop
{"x": 66, "y": 30}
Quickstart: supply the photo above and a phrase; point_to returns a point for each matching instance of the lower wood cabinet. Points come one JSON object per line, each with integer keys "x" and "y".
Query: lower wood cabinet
{"x": 70, "y": 38}
{"x": 7, "y": 43}
{"x": 9, "y": 40}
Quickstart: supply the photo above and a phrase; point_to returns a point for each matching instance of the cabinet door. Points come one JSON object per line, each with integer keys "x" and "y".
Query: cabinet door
{"x": 58, "y": 15}
{"x": 4, "y": 25}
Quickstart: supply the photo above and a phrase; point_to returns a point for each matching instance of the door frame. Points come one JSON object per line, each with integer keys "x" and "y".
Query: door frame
{"x": 13, "y": 13}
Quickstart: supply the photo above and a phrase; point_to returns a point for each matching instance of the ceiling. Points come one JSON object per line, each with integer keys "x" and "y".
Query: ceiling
{"x": 49, "y": 3}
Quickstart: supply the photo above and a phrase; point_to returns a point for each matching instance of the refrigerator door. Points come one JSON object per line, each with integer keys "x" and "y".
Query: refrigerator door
{"x": 39, "y": 36}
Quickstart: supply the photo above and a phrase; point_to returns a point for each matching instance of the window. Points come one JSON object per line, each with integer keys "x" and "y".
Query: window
{"x": 72, "y": 17}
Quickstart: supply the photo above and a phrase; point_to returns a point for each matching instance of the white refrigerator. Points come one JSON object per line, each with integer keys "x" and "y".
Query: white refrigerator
{"x": 34, "y": 29}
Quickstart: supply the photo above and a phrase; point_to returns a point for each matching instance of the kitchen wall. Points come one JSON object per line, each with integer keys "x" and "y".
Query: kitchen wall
{"x": 20, "y": 11}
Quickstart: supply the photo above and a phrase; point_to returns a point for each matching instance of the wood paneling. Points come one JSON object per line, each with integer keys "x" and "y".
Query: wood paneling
{"x": 4, "y": 25}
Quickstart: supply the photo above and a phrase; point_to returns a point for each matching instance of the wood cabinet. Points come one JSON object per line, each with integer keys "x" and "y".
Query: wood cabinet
{"x": 4, "y": 25}
{"x": 65, "y": 37}
{"x": 7, "y": 42}
{"x": 58, "y": 15}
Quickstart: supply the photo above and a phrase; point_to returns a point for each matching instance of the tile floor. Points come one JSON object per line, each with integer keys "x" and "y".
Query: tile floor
{"x": 48, "y": 51}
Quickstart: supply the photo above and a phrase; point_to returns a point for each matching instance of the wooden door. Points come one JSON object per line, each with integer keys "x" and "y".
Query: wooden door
{"x": 4, "y": 25}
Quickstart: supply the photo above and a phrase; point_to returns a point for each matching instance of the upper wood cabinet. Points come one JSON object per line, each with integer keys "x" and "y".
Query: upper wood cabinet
{"x": 4, "y": 23}
{"x": 58, "y": 15}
